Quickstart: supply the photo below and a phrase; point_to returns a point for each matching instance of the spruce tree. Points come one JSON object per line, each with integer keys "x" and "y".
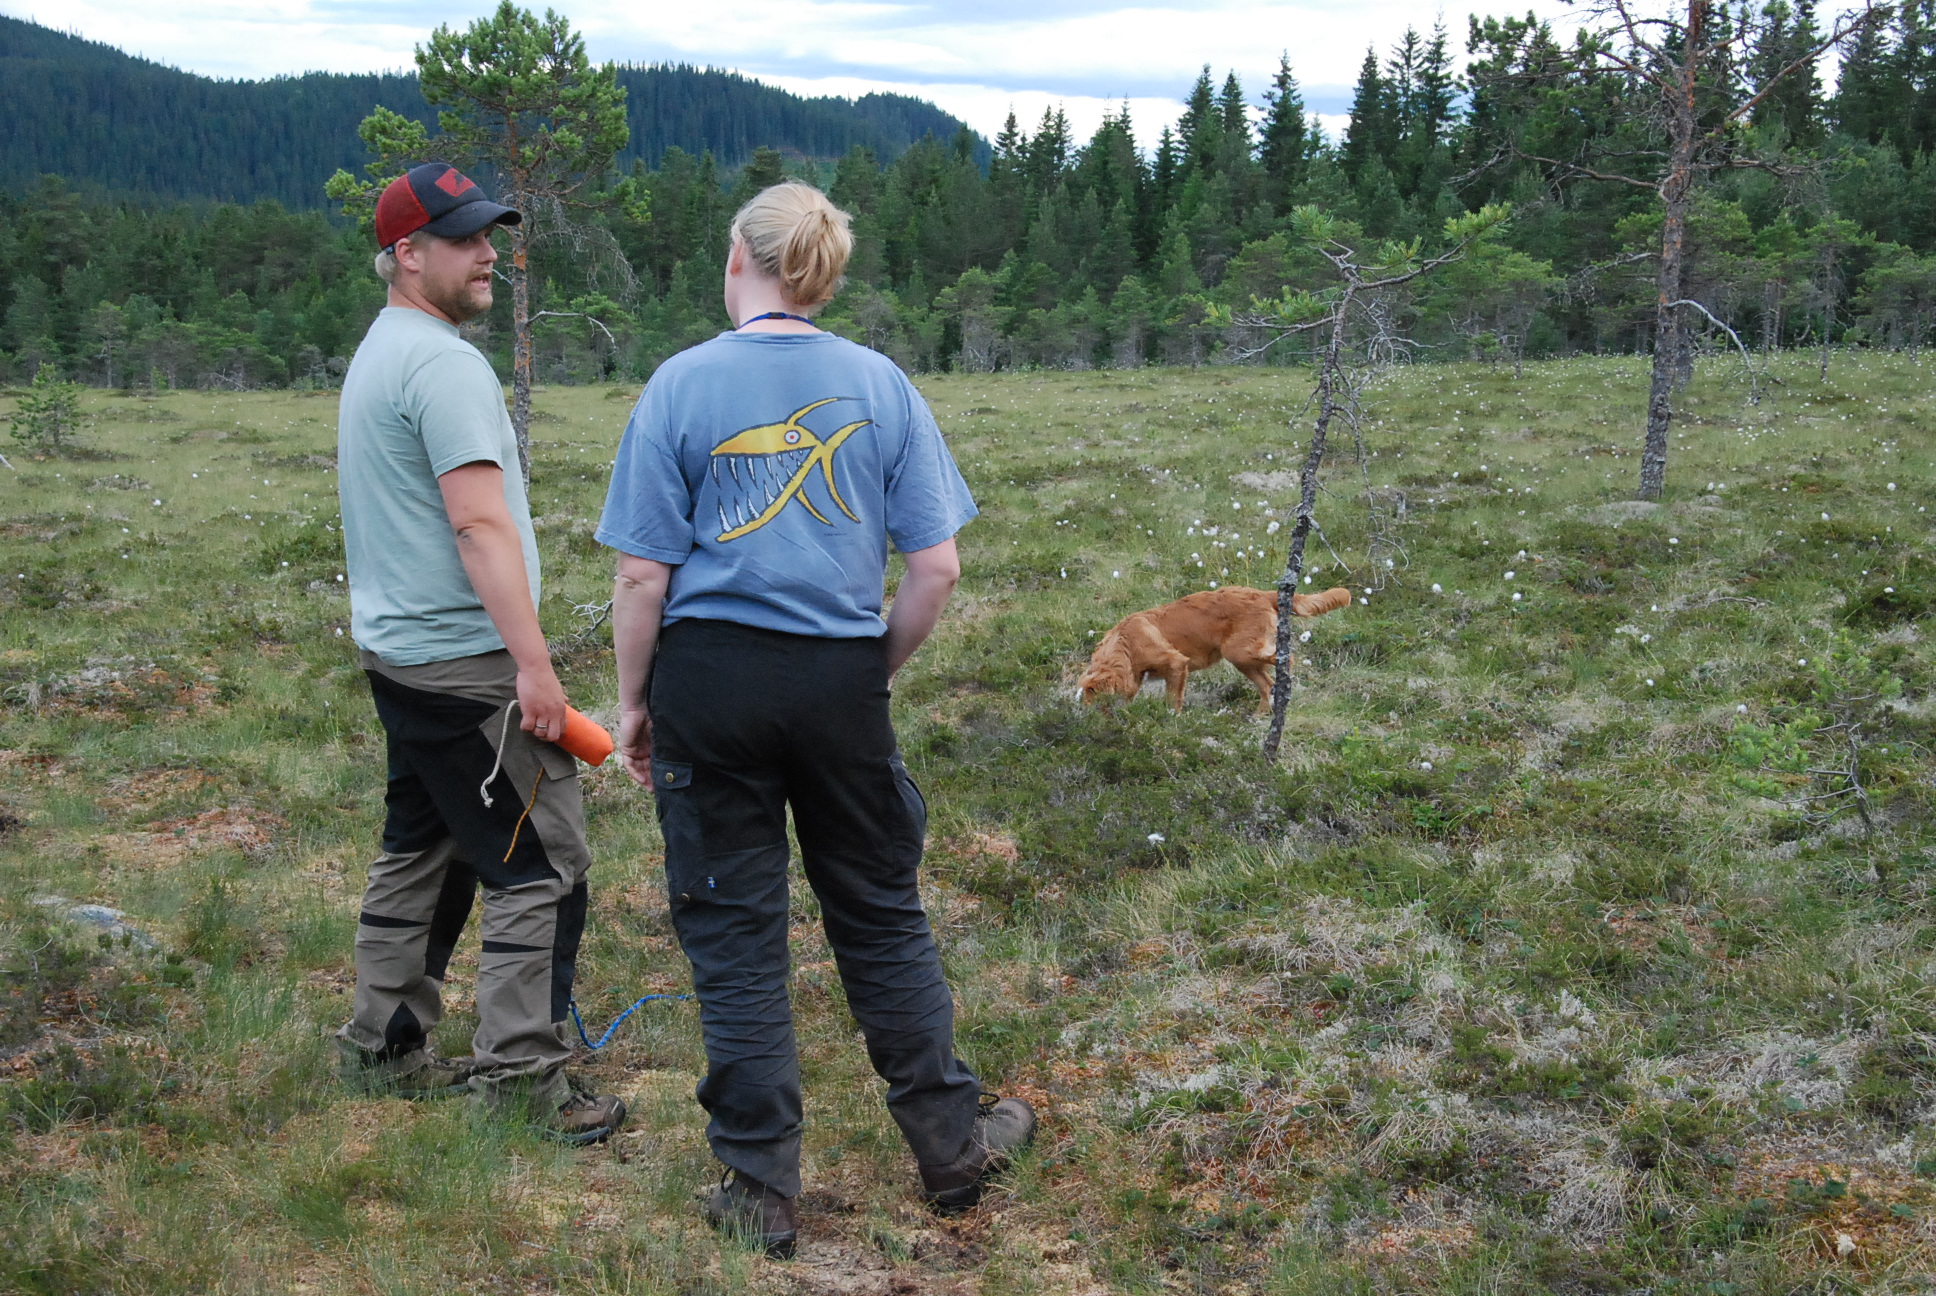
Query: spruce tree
{"x": 1233, "y": 119}
{"x": 1164, "y": 173}
{"x": 1235, "y": 163}
{"x": 1913, "y": 114}
{"x": 1047, "y": 155}
{"x": 1781, "y": 37}
{"x": 1423, "y": 72}
{"x": 1373, "y": 120}
{"x": 1008, "y": 181}
{"x": 1288, "y": 141}
{"x": 1866, "y": 87}
{"x": 765, "y": 169}
{"x": 1200, "y": 129}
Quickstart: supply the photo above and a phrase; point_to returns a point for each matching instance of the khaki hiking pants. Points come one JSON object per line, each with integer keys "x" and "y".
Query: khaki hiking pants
{"x": 451, "y": 748}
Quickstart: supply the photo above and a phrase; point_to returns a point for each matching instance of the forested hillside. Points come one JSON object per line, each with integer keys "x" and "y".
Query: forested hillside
{"x": 90, "y": 113}
{"x": 1816, "y": 228}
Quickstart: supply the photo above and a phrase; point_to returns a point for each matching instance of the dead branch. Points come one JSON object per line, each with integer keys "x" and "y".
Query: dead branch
{"x": 1754, "y": 388}
{"x": 577, "y": 315}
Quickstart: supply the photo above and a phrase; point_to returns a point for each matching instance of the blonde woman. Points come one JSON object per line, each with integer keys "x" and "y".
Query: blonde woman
{"x": 758, "y": 485}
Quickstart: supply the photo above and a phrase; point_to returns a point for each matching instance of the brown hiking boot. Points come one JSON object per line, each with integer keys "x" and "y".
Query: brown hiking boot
{"x": 557, "y": 1106}
{"x": 583, "y": 1117}
{"x": 416, "y": 1074}
{"x": 1003, "y": 1127}
{"x": 748, "y": 1209}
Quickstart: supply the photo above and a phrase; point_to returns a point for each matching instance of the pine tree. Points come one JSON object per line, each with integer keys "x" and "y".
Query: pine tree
{"x": 44, "y": 420}
{"x": 518, "y": 94}
{"x": 1288, "y": 141}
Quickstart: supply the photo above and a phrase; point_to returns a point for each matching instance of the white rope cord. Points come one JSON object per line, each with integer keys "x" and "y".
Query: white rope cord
{"x": 483, "y": 789}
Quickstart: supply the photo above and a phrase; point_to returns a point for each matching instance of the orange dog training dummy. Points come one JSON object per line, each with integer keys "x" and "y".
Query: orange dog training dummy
{"x": 586, "y": 739}
{"x": 1236, "y": 624}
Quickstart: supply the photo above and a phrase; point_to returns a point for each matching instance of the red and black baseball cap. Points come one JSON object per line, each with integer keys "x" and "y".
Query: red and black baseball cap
{"x": 439, "y": 198}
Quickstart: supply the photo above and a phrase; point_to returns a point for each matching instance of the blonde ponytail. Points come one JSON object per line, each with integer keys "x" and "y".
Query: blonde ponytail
{"x": 800, "y": 238}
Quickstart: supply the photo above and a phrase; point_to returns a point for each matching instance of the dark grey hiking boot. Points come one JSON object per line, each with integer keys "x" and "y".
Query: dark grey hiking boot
{"x": 748, "y": 1209}
{"x": 417, "y": 1074}
{"x": 1003, "y": 1127}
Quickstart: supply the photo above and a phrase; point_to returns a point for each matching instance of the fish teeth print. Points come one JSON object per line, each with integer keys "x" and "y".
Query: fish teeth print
{"x": 778, "y": 459}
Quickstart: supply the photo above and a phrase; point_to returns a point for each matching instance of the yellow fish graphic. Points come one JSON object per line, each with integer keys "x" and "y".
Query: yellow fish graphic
{"x": 770, "y": 464}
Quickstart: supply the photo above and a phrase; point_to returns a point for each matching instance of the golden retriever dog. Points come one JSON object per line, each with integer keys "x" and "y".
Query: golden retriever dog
{"x": 1236, "y": 624}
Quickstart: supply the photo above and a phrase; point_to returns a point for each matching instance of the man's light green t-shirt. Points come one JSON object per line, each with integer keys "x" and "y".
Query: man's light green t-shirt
{"x": 419, "y": 401}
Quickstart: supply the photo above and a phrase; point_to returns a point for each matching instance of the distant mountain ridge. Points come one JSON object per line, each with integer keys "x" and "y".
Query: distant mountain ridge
{"x": 98, "y": 116}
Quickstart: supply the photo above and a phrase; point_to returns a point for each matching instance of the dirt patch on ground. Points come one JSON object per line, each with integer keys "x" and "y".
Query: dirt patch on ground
{"x": 1861, "y": 1212}
{"x": 119, "y": 688}
{"x": 253, "y": 832}
{"x": 153, "y": 787}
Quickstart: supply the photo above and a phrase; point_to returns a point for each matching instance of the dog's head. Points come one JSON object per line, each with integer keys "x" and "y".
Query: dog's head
{"x": 1107, "y": 674}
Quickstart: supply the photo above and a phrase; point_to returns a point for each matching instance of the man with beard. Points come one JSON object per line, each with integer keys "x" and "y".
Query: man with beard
{"x": 443, "y": 574}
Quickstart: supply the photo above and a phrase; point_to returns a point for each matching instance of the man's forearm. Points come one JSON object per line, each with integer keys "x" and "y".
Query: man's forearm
{"x": 493, "y": 557}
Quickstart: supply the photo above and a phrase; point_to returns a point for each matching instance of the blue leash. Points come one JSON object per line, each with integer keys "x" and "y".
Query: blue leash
{"x": 617, "y": 1021}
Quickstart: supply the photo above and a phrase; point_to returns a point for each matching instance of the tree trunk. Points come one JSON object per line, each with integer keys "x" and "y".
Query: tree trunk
{"x": 1827, "y": 319}
{"x": 1675, "y": 190}
{"x": 521, "y": 347}
{"x": 1307, "y": 501}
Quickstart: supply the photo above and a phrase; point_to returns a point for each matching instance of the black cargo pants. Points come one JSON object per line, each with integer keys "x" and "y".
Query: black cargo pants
{"x": 745, "y": 723}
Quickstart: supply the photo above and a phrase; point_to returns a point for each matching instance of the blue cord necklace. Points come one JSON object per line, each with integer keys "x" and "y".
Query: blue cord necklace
{"x": 772, "y": 315}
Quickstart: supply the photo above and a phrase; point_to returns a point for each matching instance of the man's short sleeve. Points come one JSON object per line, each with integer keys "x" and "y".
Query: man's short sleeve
{"x": 648, "y": 509}
{"x": 927, "y": 500}
{"x": 459, "y": 411}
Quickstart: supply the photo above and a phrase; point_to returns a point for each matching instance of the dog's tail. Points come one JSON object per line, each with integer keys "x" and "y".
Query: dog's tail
{"x": 1314, "y": 605}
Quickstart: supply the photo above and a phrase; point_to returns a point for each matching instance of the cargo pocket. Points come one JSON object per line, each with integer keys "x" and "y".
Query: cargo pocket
{"x": 915, "y": 805}
{"x": 559, "y": 764}
{"x": 678, "y": 812}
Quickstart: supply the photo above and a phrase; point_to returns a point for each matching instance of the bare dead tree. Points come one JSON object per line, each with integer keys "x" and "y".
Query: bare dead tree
{"x": 1747, "y": 362}
{"x": 1351, "y": 329}
{"x": 1676, "y": 57}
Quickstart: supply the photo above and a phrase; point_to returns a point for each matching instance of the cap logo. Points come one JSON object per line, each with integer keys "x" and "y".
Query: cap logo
{"x": 453, "y": 182}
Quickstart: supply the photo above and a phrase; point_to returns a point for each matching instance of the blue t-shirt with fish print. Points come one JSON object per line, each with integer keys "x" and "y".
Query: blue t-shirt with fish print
{"x": 771, "y": 470}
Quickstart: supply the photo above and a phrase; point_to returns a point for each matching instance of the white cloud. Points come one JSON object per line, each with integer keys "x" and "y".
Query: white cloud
{"x": 975, "y": 61}
{"x": 986, "y": 107}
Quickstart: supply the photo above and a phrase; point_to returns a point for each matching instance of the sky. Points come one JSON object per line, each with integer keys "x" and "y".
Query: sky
{"x": 977, "y": 59}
